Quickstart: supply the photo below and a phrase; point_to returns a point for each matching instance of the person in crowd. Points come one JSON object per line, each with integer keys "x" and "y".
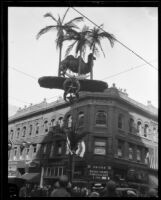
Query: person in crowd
{"x": 94, "y": 193}
{"x": 131, "y": 193}
{"x": 152, "y": 193}
{"x": 110, "y": 189}
{"x": 61, "y": 191}
{"x": 23, "y": 191}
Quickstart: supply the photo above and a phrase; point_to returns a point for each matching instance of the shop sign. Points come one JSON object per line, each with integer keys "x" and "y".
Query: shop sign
{"x": 98, "y": 172}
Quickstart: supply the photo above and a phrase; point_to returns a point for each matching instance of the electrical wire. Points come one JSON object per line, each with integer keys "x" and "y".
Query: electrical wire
{"x": 116, "y": 39}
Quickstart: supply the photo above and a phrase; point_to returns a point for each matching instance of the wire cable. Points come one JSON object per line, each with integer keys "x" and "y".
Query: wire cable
{"x": 127, "y": 70}
{"x": 116, "y": 40}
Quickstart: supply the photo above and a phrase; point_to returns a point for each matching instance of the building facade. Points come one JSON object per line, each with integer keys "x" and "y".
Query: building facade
{"x": 121, "y": 141}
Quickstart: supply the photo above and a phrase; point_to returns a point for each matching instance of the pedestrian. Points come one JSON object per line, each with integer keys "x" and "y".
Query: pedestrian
{"x": 152, "y": 193}
{"x": 110, "y": 190}
{"x": 61, "y": 191}
{"x": 23, "y": 191}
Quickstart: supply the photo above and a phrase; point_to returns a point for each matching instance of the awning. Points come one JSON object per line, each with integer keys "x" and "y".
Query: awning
{"x": 31, "y": 177}
{"x": 153, "y": 181}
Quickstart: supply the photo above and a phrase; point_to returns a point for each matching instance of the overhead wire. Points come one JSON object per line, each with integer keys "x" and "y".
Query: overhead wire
{"x": 116, "y": 39}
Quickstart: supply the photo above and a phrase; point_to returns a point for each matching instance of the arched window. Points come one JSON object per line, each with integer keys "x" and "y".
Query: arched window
{"x": 146, "y": 128}
{"x": 11, "y": 134}
{"x": 131, "y": 152}
{"x": 101, "y": 118}
{"x": 131, "y": 125}
{"x": 52, "y": 122}
{"x": 139, "y": 127}
{"x": 120, "y": 121}
{"x": 138, "y": 154}
{"x": 24, "y": 131}
{"x": 80, "y": 119}
{"x": 30, "y": 129}
{"x": 46, "y": 126}
{"x": 18, "y": 132}
{"x": 69, "y": 121}
{"x": 60, "y": 121}
{"x": 37, "y": 128}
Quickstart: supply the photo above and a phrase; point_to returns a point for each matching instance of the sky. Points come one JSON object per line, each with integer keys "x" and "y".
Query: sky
{"x": 135, "y": 27}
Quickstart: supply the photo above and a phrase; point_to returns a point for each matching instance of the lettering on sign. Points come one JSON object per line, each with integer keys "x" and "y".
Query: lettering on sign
{"x": 98, "y": 172}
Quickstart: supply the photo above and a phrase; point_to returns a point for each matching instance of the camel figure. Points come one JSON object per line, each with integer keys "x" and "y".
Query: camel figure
{"x": 72, "y": 63}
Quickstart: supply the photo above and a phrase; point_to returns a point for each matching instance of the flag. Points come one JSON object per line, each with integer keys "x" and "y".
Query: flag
{"x": 81, "y": 149}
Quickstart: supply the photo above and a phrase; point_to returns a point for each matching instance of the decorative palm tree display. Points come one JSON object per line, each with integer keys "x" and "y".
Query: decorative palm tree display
{"x": 95, "y": 37}
{"x": 60, "y": 27}
{"x": 81, "y": 41}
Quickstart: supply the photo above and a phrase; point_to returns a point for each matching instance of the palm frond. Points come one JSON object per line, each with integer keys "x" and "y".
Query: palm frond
{"x": 77, "y": 19}
{"x": 44, "y": 30}
{"x": 109, "y": 36}
{"x": 99, "y": 44}
{"x": 70, "y": 48}
{"x": 50, "y": 15}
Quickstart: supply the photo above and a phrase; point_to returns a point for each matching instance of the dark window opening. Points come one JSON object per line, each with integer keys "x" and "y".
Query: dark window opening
{"x": 101, "y": 118}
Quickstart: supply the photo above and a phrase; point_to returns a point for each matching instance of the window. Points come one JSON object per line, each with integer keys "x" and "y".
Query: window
{"x": 131, "y": 125}
{"x": 37, "y": 128}
{"x": 155, "y": 134}
{"x": 24, "y": 131}
{"x": 30, "y": 129}
{"x": 146, "y": 127}
{"x": 120, "y": 148}
{"x": 34, "y": 148}
{"x": 139, "y": 126}
{"x": 146, "y": 160}
{"x": 101, "y": 118}
{"x": 138, "y": 154}
{"x": 69, "y": 121}
{"x": 18, "y": 132}
{"x": 100, "y": 147}
{"x": 56, "y": 171}
{"x": 52, "y": 150}
{"x": 44, "y": 148}
{"x": 11, "y": 134}
{"x": 120, "y": 121}
{"x": 60, "y": 171}
{"x": 15, "y": 153}
{"x": 80, "y": 119}
{"x": 60, "y": 121}
{"x": 59, "y": 149}
{"x": 46, "y": 126}
{"x": 52, "y": 122}
{"x": 131, "y": 152}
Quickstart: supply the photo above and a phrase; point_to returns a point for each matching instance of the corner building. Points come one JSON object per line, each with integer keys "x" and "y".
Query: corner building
{"x": 122, "y": 143}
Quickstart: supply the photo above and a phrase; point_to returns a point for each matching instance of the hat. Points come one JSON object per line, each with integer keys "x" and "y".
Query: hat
{"x": 131, "y": 193}
{"x": 111, "y": 185}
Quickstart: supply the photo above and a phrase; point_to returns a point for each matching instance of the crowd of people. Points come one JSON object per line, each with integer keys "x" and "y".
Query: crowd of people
{"x": 63, "y": 188}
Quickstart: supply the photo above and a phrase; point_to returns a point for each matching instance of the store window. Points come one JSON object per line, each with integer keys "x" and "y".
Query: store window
{"x": 131, "y": 125}
{"x": 131, "y": 152}
{"x": 120, "y": 121}
{"x": 146, "y": 129}
{"x": 80, "y": 119}
{"x": 101, "y": 118}
{"x": 100, "y": 147}
{"x": 139, "y": 127}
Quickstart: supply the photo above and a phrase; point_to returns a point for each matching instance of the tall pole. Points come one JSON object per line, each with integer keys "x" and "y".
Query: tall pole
{"x": 42, "y": 175}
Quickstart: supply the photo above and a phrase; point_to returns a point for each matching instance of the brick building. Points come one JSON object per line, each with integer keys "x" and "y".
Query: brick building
{"x": 122, "y": 143}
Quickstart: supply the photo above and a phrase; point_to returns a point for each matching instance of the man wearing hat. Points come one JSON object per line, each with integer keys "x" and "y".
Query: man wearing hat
{"x": 61, "y": 191}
